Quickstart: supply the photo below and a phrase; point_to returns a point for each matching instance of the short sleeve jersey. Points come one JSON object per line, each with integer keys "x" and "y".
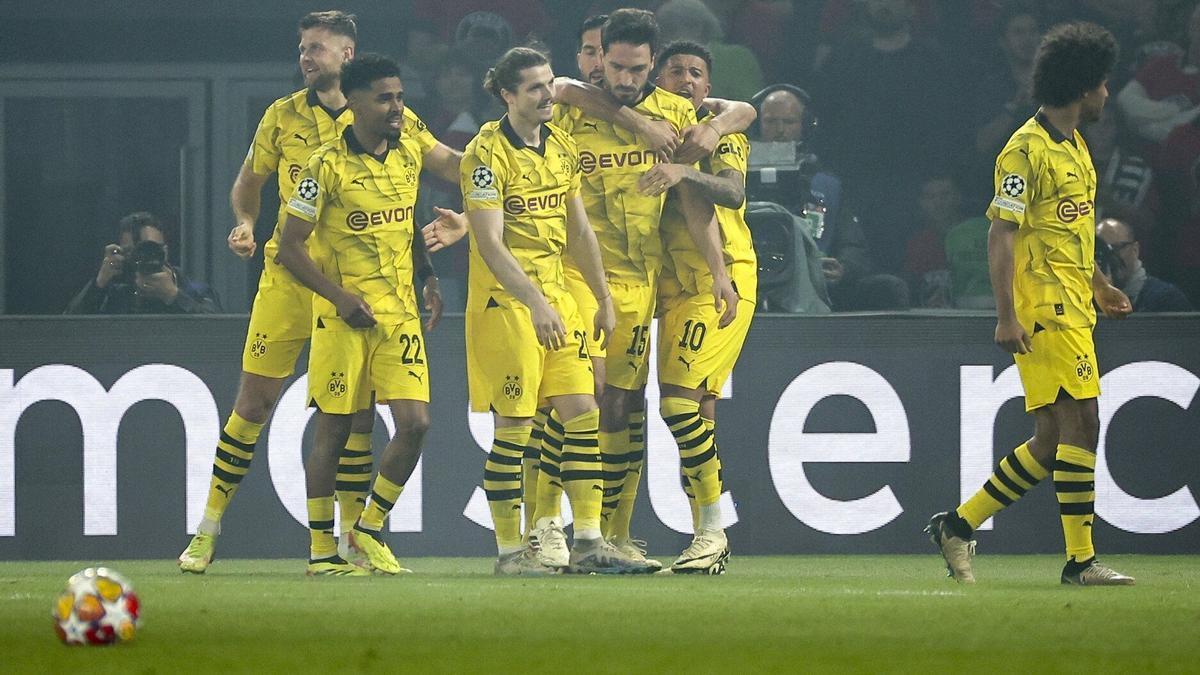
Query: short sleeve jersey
{"x": 1046, "y": 185}
{"x": 531, "y": 186}
{"x": 732, "y": 153}
{"x": 612, "y": 160}
{"x": 291, "y": 129}
{"x": 362, "y": 208}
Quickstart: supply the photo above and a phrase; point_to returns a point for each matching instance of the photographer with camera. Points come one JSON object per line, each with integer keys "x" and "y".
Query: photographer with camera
{"x": 818, "y": 199}
{"x": 1118, "y": 254}
{"x": 135, "y": 277}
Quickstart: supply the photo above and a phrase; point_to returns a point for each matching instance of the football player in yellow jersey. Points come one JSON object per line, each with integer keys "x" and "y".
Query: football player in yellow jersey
{"x": 281, "y": 319}
{"x": 357, "y": 195}
{"x": 696, "y": 351}
{"x": 1041, "y": 253}
{"x": 526, "y": 342}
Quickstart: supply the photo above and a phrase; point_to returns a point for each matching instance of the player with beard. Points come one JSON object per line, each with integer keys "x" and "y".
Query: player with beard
{"x": 1041, "y": 255}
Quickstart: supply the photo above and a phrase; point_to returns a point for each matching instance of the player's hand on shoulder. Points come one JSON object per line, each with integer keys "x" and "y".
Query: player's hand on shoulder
{"x": 433, "y": 302}
{"x": 660, "y": 178}
{"x": 1012, "y": 338}
{"x": 354, "y": 311}
{"x": 659, "y": 136}
{"x": 445, "y": 230}
{"x": 548, "y": 325}
{"x": 241, "y": 240}
{"x": 699, "y": 141}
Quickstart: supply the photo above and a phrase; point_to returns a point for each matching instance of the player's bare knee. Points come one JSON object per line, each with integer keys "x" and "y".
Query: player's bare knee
{"x": 412, "y": 427}
{"x": 364, "y": 421}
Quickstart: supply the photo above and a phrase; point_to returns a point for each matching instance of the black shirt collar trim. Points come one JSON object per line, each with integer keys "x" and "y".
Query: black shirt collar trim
{"x": 357, "y": 148}
{"x": 506, "y": 128}
{"x": 314, "y": 101}
{"x": 1055, "y": 135}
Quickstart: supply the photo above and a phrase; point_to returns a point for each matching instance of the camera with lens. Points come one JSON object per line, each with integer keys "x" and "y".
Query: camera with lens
{"x": 781, "y": 172}
{"x": 147, "y": 257}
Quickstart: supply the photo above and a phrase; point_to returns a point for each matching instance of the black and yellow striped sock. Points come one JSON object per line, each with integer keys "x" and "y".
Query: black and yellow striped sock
{"x": 384, "y": 494}
{"x": 353, "y": 479}
{"x": 1075, "y": 485}
{"x": 320, "y": 528}
{"x": 635, "y": 457}
{"x": 235, "y": 450}
{"x": 549, "y": 485}
{"x": 502, "y": 485}
{"x": 697, "y": 448}
{"x": 582, "y": 477}
{"x": 1015, "y": 475}
{"x": 530, "y": 468}
{"x": 614, "y": 464}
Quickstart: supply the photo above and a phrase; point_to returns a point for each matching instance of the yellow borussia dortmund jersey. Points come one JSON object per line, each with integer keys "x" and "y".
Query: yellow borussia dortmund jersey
{"x": 732, "y": 152}
{"x": 531, "y": 186}
{"x": 362, "y": 208}
{"x": 612, "y": 160}
{"x": 291, "y": 129}
{"x": 1045, "y": 183}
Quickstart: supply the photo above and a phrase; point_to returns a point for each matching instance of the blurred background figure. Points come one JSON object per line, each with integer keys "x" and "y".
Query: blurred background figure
{"x": 1118, "y": 254}
{"x": 135, "y": 277}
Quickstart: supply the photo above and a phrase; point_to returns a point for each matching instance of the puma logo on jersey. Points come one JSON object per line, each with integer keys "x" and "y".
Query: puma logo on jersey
{"x": 592, "y": 125}
{"x": 1071, "y": 174}
{"x": 685, "y": 362}
{"x": 302, "y": 138}
{"x": 361, "y": 182}
{"x": 415, "y": 375}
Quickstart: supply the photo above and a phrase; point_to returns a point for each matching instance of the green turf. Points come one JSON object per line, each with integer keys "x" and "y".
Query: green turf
{"x": 801, "y": 613}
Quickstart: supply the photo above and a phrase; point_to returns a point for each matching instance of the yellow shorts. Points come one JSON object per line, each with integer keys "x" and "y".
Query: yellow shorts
{"x": 585, "y": 302}
{"x": 1061, "y": 360}
{"x": 346, "y": 364}
{"x": 626, "y": 366}
{"x": 692, "y": 351}
{"x": 509, "y": 373}
{"x": 280, "y": 324}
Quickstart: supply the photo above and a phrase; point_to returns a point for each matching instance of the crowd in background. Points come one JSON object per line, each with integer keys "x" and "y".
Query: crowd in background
{"x": 910, "y": 102}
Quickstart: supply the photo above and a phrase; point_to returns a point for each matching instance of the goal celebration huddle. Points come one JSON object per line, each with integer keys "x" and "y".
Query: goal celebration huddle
{"x": 592, "y": 211}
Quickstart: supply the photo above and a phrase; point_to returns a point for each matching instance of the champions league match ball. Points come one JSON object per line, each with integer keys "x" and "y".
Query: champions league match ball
{"x": 98, "y": 607}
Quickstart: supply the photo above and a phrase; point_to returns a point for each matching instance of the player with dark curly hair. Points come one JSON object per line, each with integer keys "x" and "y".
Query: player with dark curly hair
{"x": 1041, "y": 254}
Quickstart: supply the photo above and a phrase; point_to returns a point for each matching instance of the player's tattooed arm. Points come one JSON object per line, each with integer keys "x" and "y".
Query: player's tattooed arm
{"x": 443, "y": 161}
{"x": 246, "y": 200}
{"x": 1111, "y": 300}
{"x": 585, "y": 251}
{"x": 423, "y": 267}
{"x": 1010, "y": 335}
{"x": 660, "y": 136}
{"x": 293, "y": 255}
{"x": 706, "y": 235}
{"x": 488, "y": 225}
{"x": 728, "y": 117}
{"x": 725, "y": 189}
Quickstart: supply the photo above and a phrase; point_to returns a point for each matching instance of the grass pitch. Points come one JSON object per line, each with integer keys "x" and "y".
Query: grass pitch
{"x": 794, "y": 614}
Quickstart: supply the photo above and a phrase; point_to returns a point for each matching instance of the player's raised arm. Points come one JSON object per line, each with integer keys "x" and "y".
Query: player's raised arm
{"x": 585, "y": 250}
{"x": 245, "y": 198}
{"x": 661, "y": 136}
{"x": 488, "y": 226}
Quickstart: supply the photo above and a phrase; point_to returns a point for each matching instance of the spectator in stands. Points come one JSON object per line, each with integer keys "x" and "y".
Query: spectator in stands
{"x": 1119, "y": 255}
{"x": 946, "y": 260}
{"x": 736, "y": 71}
{"x": 455, "y": 117}
{"x": 1003, "y": 96}
{"x": 886, "y": 105}
{"x": 784, "y": 117}
{"x": 483, "y": 36}
{"x": 423, "y": 51}
{"x": 135, "y": 277}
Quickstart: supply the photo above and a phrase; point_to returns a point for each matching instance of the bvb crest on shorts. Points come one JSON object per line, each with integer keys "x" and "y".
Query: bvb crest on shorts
{"x": 258, "y": 348}
{"x": 1083, "y": 369}
{"x": 337, "y": 385}
{"x": 512, "y": 387}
